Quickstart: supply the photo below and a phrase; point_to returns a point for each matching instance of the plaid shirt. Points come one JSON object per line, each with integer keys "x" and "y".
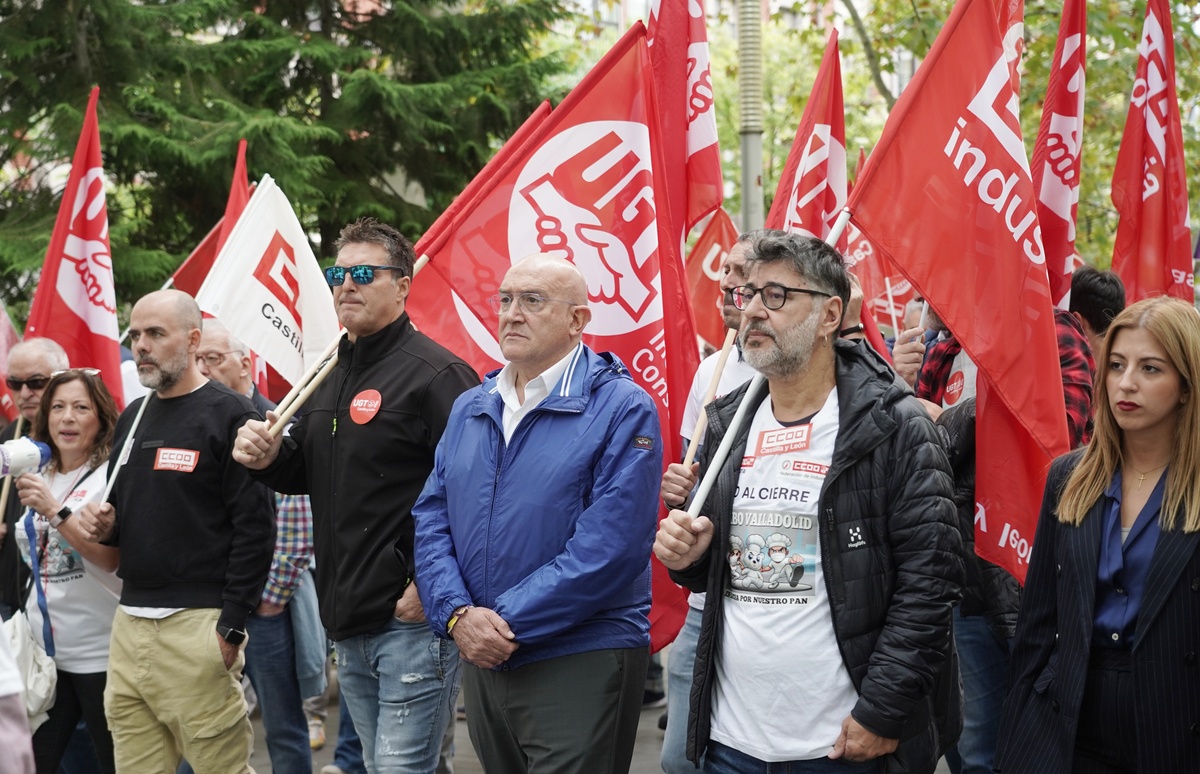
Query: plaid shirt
{"x": 1074, "y": 361}
{"x": 293, "y": 547}
{"x": 1078, "y": 374}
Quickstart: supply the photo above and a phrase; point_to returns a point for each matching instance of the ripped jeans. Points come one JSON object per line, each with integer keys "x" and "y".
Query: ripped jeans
{"x": 400, "y": 683}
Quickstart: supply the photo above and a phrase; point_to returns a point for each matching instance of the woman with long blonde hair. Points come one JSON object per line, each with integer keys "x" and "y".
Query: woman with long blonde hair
{"x": 1104, "y": 677}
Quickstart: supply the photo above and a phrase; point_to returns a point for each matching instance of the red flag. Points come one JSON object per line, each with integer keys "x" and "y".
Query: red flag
{"x": 8, "y": 340}
{"x": 191, "y": 273}
{"x": 704, "y": 276}
{"x": 75, "y": 303}
{"x": 1152, "y": 253}
{"x": 1010, "y": 18}
{"x": 1056, "y": 154}
{"x": 583, "y": 186}
{"x": 482, "y": 182}
{"x": 812, "y": 188}
{"x": 678, "y": 42}
{"x": 948, "y": 198}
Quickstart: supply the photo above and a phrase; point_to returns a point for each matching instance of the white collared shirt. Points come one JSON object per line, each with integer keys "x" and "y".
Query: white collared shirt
{"x": 536, "y": 391}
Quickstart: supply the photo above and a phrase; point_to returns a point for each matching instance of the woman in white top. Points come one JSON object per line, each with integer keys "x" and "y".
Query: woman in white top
{"x": 74, "y": 580}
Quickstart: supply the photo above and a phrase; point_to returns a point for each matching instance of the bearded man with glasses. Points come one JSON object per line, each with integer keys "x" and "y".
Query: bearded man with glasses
{"x": 30, "y": 364}
{"x": 362, "y": 451}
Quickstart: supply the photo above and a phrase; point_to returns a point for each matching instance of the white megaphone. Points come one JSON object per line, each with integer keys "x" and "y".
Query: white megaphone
{"x": 22, "y": 456}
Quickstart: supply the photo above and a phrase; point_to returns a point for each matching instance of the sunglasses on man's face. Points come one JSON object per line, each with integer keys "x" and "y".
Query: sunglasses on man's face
{"x": 363, "y": 274}
{"x": 34, "y": 383}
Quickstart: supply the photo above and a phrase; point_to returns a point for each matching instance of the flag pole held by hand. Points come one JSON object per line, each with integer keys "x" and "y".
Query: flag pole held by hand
{"x": 709, "y": 394}
{"x": 718, "y": 460}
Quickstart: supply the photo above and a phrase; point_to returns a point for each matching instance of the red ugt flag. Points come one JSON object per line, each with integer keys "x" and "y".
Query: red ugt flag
{"x": 678, "y": 42}
{"x": 191, "y": 273}
{"x": 812, "y": 188}
{"x": 76, "y": 303}
{"x": 948, "y": 197}
{"x": 1056, "y": 154}
{"x": 8, "y": 340}
{"x": 704, "y": 276}
{"x": 587, "y": 187}
{"x": 1152, "y": 253}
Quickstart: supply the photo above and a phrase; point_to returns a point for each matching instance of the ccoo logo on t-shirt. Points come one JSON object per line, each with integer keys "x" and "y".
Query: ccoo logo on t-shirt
{"x": 365, "y": 406}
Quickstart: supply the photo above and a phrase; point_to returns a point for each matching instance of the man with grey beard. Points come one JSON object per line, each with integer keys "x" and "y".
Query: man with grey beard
{"x": 827, "y": 548}
{"x": 196, "y": 535}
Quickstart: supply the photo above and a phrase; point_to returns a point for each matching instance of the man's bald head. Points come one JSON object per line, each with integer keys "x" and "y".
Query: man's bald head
{"x": 164, "y": 331}
{"x": 182, "y": 307}
{"x": 543, "y": 312}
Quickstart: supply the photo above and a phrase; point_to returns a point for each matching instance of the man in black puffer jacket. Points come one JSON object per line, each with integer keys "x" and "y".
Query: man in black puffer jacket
{"x": 828, "y": 545}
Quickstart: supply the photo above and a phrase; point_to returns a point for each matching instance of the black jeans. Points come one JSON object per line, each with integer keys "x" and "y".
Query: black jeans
{"x": 75, "y": 696}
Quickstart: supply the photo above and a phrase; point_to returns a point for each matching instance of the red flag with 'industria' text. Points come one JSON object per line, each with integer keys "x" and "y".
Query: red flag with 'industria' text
{"x": 947, "y": 195}
{"x": 76, "y": 302}
{"x": 586, "y": 186}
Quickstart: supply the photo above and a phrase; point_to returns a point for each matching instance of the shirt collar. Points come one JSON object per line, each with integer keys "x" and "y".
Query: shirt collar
{"x": 541, "y": 384}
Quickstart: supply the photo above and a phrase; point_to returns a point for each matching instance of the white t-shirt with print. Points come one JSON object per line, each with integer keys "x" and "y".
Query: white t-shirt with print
{"x": 782, "y": 690}
{"x": 81, "y": 597}
{"x": 736, "y": 373}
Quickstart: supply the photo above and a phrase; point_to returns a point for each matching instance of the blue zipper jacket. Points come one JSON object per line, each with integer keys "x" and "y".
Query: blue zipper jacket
{"x": 553, "y": 529}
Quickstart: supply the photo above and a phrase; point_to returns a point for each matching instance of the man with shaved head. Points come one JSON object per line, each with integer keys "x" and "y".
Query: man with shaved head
{"x": 533, "y": 537}
{"x": 196, "y": 535}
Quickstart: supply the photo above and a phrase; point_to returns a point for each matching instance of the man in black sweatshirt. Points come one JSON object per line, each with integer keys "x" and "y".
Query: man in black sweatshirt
{"x": 196, "y": 536}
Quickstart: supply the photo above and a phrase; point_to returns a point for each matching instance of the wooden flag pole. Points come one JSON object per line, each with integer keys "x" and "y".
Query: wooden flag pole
{"x": 126, "y": 447}
{"x": 702, "y": 420}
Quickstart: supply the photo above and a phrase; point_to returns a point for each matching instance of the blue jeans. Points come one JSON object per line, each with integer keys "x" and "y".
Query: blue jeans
{"x": 271, "y": 667}
{"x": 680, "y": 661}
{"x": 983, "y": 661}
{"x": 348, "y": 755}
{"x": 400, "y": 682}
{"x": 726, "y": 760}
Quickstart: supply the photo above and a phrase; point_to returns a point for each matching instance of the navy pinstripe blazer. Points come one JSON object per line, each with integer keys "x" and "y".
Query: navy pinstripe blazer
{"x": 1050, "y": 651}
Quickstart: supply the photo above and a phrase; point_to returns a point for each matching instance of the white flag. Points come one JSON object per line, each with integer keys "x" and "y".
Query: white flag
{"x": 267, "y": 288}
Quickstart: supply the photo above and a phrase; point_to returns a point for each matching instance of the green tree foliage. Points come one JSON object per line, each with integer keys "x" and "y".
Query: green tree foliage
{"x": 356, "y": 107}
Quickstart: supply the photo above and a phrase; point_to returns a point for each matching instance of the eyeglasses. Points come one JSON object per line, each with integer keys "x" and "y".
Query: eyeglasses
{"x": 34, "y": 383}
{"x": 214, "y": 359}
{"x": 79, "y": 371}
{"x": 773, "y": 296}
{"x": 362, "y": 274}
{"x": 530, "y": 303}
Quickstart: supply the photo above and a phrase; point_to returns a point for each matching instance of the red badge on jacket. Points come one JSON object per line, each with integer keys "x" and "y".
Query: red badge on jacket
{"x": 365, "y": 406}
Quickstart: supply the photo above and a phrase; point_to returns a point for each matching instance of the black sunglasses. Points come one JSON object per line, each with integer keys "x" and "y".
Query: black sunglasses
{"x": 363, "y": 274}
{"x": 34, "y": 383}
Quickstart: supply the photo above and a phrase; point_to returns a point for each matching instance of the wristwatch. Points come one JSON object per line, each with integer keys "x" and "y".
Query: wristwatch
{"x": 458, "y": 613}
{"x": 231, "y": 635}
{"x": 63, "y": 514}
{"x": 853, "y": 329}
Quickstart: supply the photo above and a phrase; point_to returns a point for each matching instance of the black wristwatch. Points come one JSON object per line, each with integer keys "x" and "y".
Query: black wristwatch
{"x": 63, "y": 514}
{"x": 853, "y": 329}
{"x": 231, "y": 635}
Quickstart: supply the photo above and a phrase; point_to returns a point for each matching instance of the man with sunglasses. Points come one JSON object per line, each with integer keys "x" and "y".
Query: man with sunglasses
{"x": 533, "y": 537}
{"x": 30, "y": 364}
{"x": 362, "y": 452}
{"x": 839, "y": 653}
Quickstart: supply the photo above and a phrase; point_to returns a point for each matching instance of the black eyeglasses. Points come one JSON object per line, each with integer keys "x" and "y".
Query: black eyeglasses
{"x": 214, "y": 359}
{"x": 530, "y": 303}
{"x": 362, "y": 274}
{"x": 35, "y": 383}
{"x": 773, "y": 296}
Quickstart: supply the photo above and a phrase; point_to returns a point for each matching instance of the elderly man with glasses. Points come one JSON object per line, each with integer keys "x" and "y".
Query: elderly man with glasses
{"x": 362, "y": 452}
{"x": 533, "y": 537}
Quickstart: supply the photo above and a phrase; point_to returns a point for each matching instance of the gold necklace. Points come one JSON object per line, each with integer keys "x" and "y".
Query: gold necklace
{"x": 1142, "y": 476}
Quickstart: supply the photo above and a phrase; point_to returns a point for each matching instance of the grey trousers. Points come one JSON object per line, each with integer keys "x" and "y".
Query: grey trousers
{"x": 574, "y": 714}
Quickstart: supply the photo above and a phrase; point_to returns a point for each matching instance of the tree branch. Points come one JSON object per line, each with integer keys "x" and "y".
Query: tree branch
{"x": 871, "y": 54}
